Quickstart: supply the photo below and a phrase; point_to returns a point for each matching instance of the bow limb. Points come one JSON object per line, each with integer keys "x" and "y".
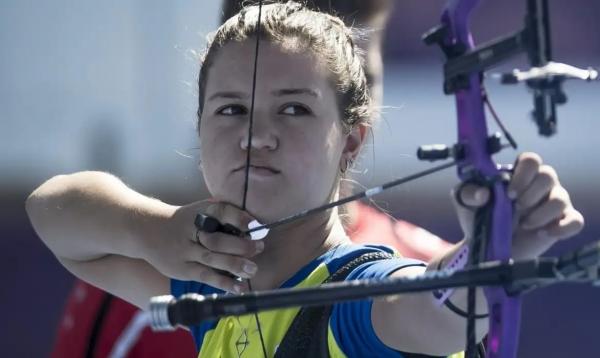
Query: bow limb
{"x": 493, "y": 232}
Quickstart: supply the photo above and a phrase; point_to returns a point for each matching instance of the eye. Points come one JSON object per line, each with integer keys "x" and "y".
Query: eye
{"x": 295, "y": 110}
{"x": 232, "y": 110}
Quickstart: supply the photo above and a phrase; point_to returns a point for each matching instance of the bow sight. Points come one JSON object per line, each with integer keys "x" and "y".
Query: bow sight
{"x": 544, "y": 78}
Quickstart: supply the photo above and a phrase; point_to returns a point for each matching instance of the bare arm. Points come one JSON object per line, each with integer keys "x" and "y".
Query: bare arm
{"x": 544, "y": 215}
{"x": 420, "y": 325}
{"x": 101, "y": 231}
{"x": 130, "y": 244}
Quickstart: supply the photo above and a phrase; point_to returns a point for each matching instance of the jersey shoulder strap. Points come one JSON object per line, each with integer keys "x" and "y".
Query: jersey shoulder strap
{"x": 307, "y": 335}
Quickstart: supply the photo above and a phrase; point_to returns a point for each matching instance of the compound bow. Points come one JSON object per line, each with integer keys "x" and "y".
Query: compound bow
{"x": 490, "y": 263}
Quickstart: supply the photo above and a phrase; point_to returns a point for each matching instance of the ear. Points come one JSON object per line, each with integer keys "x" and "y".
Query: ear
{"x": 354, "y": 141}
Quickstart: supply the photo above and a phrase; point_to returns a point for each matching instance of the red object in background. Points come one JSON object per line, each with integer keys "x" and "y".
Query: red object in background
{"x": 373, "y": 226}
{"x": 97, "y": 324}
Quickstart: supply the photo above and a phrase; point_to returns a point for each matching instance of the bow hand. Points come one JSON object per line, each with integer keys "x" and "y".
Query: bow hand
{"x": 543, "y": 215}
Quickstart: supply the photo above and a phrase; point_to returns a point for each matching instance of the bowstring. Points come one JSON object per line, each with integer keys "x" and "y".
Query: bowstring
{"x": 249, "y": 149}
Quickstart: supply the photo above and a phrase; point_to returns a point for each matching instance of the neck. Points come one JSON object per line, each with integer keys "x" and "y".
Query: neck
{"x": 290, "y": 247}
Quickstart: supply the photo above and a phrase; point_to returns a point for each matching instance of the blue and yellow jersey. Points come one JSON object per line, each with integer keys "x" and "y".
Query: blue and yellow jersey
{"x": 350, "y": 332}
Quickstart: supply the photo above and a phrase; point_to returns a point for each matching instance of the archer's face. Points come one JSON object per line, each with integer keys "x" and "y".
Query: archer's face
{"x": 297, "y": 138}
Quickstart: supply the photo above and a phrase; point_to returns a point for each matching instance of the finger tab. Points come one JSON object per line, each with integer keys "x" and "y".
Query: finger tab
{"x": 206, "y": 223}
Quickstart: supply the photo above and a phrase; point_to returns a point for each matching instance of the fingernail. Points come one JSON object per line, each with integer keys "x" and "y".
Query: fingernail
{"x": 480, "y": 195}
{"x": 250, "y": 268}
{"x": 512, "y": 194}
{"x": 260, "y": 246}
{"x": 237, "y": 288}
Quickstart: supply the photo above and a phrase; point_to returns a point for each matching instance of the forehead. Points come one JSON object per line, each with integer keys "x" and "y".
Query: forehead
{"x": 233, "y": 66}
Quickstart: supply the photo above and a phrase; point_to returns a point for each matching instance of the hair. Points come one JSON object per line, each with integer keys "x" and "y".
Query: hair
{"x": 359, "y": 10}
{"x": 297, "y": 28}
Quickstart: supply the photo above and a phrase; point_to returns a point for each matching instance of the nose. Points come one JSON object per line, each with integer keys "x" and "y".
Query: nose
{"x": 263, "y": 137}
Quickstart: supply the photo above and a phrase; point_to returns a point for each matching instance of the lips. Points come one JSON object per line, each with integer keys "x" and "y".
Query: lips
{"x": 259, "y": 167}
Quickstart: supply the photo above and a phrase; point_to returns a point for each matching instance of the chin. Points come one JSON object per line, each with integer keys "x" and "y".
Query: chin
{"x": 280, "y": 208}
{"x": 266, "y": 213}
{"x": 266, "y": 203}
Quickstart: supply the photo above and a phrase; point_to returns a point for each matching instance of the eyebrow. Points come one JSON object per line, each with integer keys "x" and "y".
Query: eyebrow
{"x": 228, "y": 94}
{"x": 278, "y": 93}
{"x": 295, "y": 91}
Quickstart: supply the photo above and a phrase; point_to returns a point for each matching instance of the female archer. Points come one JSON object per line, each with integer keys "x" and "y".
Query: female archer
{"x": 310, "y": 112}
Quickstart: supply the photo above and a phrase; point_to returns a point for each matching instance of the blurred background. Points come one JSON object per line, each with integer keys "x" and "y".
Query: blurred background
{"x": 111, "y": 86}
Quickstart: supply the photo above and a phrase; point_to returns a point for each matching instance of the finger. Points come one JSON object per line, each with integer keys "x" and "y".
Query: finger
{"x": 550, "y": 210}
{"x": 235, "y": 216}
{"x": 543, "y": 183}
{"x": 532, "y": 243}
{"x": 232, "y": 245}
{"x": 201, "y": 273}
{"x": 235, "y": 265}
{"x": 466, "y": 199}
{"x": 230, "y": 215}
{"x": 524, "y": 173}
{"x": 570, "y": 225}
{"x": 189, "y": 213}
{"x": 473, "y": 195}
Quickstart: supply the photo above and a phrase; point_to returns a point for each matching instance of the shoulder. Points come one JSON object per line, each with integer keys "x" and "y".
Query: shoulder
{"x": 350, "y": 327}
{"x": 375, "y": 261}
